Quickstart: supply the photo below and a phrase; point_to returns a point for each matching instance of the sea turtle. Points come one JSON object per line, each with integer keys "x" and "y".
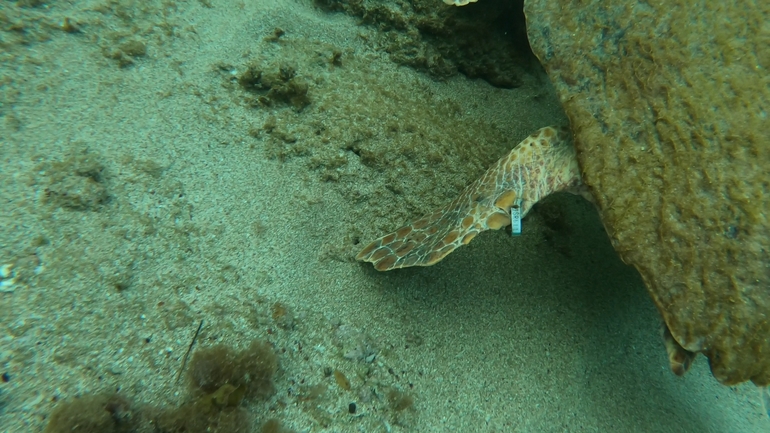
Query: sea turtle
{"x": 669, "y": 137}
{"x": 542, "y": 164}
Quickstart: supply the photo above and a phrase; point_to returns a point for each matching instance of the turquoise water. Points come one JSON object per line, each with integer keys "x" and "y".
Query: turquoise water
{"x": 170, "y": 165}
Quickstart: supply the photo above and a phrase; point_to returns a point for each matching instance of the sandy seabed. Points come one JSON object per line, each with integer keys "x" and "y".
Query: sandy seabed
{"x": 145, "y": 189}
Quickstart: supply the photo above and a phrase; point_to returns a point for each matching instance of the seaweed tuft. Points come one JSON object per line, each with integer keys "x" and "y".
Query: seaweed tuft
{"x": 93, "y": 414}
{"x": 248, "y": 373}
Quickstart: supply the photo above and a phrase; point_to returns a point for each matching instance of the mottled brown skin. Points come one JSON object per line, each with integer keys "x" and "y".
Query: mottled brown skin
{"x": 668, "y": 104}
{"x": 542, "y": 164}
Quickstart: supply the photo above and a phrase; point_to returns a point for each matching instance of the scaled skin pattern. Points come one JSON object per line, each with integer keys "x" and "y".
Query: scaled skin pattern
{"x": 669, "y": 106}
{"x": 545, "y": 162}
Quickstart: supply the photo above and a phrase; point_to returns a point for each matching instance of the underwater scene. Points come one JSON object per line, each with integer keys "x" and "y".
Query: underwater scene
{"x": 295, "y": 216}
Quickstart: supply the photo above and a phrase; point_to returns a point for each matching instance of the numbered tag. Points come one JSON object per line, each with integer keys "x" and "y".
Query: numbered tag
{"x": 516, "y": 218}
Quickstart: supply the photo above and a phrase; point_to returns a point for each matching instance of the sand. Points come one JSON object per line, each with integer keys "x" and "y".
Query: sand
{"x": 142, "y": 194}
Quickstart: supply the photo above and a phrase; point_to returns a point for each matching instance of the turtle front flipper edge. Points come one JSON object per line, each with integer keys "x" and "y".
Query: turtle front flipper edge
{"x": 544, "y": 163}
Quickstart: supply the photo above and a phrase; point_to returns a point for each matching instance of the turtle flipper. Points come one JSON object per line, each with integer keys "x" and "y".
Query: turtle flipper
{"x": 679, "y": 358}
{"x": 543, "y": 163}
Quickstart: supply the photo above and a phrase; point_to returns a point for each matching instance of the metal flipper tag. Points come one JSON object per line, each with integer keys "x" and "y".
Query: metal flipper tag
{"x": 516, "y": 218}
